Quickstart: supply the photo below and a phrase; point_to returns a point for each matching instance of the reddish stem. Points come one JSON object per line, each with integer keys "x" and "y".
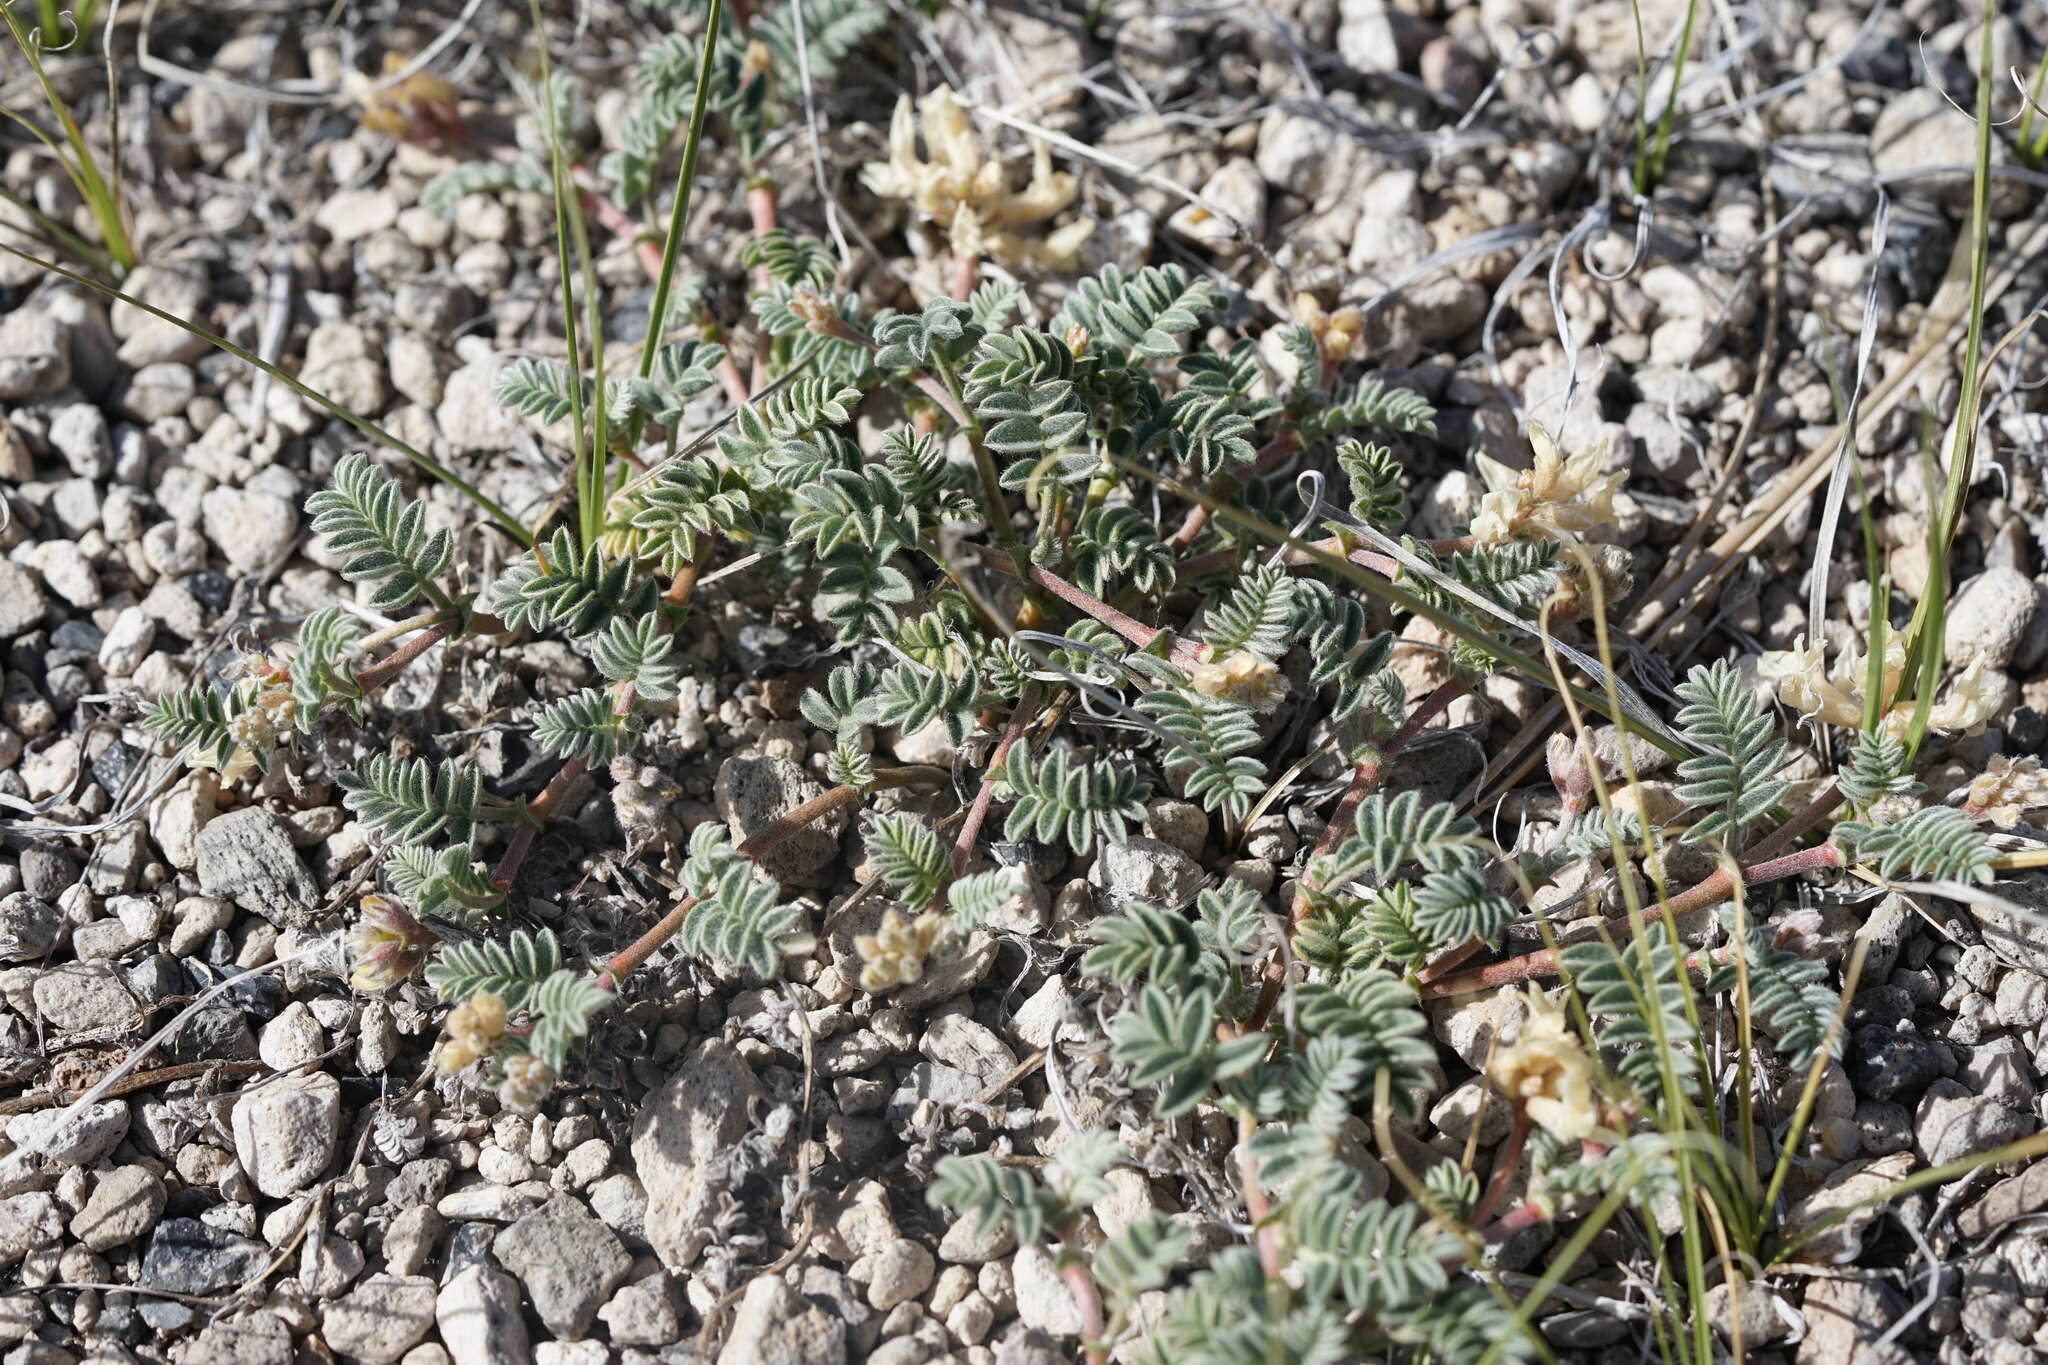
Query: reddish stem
{"x": 1771, "y": 846}
{"x": 1257, "y": 1206}
{"x": 543, "y": 806}
{"x": 970, "y": 828}
{"x": 1525, "y": 1215}
{"x": 733, "y": 382}
{"x": 761, "y": 209}
{"x": 1182, "y": 652}
{"x": 1276, "y": 450}
{"x": 522, "y": 838}
{"x": 1087, "y": 1298}
{"x": 1711, "y": 891}
{"x": 394, "y": 663}
{"x": 685, "y": 582}
{"x": 1504, "y": 1167}
{"x": 964, "y": 270}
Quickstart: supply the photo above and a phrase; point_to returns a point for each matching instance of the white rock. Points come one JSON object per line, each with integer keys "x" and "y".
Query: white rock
{"x": 22, "y": 603}
{"x": 253, "y": 530}
{"x": 70, "y": 1139}
{"x": 381, "y": 1319}
{"x": 1043, "y": 1299}
{"x": 1238, "y": 193}
{"x": 79, "y": 433}
{"x": 900, "y": 1271}
{"x": 285, "y": 1131}
{"x": 478, "y": 1313}
{"x": 470, "y": 417}
{"x": 1988, "y": 618}
{"x": 1921, "y": 131}
{"x": 1144, "y": 870}
{"x": 680, "y": 1140}
{"x": 775, "y": 1325}
{"x": 353, "y": 214}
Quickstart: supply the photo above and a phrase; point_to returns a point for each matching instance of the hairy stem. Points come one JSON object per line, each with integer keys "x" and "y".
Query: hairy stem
{"x": 1258, "y": 1207}
{"x": 1087, "y": 1298}
{"x": 391, "y": 665}
{"x": 543, "y": 806}
{"x": 1182, "y": 652}
{"x": 636, "y": 953}
{"x": 965, "y": 268}
{"x": 1504, "y": 1167}
{"x": 1220, "y": 487}
{"x": 1717, "y": 887}
{"x": 402, "y": 628}
{"x": 970, "y": 828}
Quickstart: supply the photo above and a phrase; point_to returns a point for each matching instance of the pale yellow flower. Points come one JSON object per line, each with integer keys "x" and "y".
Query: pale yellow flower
{"x": 1803, "y": 681}
{"x": 1972, "y": 699}
{"x": 526, "y": 1083}
{"x": 1546, "y": 1071}
{"x": 473, "y": 1028}
{"x": 2007, "y": 790}
{"x": 1560, "y": 495}
{"x": 894, "y": 954}
{"x": 955, "y": 185}
{"x": 1242, "y": 677}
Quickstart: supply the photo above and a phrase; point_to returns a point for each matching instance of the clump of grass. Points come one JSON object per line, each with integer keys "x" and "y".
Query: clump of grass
{"x": 100, "y": 189}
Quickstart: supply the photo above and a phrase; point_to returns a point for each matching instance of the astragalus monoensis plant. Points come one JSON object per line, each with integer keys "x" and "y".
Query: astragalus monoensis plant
{"x": 985, "y": 551}
{"x": 1054, "y": 544}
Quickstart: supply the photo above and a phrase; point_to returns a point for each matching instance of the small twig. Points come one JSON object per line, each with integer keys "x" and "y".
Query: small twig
{"x": 140, "y": 1080}
{"x": 636, "y": 953}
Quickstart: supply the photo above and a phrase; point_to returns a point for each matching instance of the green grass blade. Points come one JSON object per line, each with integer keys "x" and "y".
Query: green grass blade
{"x": 686, "y": 180}
{"x": 81, "y": 166}
{"x": 1925, "y": 632}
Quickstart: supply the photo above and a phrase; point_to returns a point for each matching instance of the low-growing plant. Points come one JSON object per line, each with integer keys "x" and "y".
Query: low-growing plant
{"x": 985, "y": 508}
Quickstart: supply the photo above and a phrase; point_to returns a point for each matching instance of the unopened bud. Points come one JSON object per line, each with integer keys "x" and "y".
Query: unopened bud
{"x": 1570, "y": 773}
{"x": 1077, "y": 339}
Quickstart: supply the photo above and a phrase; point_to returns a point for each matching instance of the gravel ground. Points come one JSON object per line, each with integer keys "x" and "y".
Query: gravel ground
{"x": 736, "y": 1173}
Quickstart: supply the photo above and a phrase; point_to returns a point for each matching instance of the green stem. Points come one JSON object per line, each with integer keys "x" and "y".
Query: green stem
{"x": 686, "y": 180}
{"x": 994, "y": 506}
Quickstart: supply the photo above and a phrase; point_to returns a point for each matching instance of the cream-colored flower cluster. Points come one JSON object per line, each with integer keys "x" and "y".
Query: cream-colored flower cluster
{"x": 1546, "y": 1071}
{"x": 1242, "y": 677}
{"x": 526, "y": 1083}
{"x": 474, "y": 1028}
{"x": 955, "y": 184}
{"x": 1560, "y": 495}
{"x": 2004, "y": 792}
{"x": 1804, "y": 682}
{"x": 894, "y": 954}
{"x": 265, "y": 722}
